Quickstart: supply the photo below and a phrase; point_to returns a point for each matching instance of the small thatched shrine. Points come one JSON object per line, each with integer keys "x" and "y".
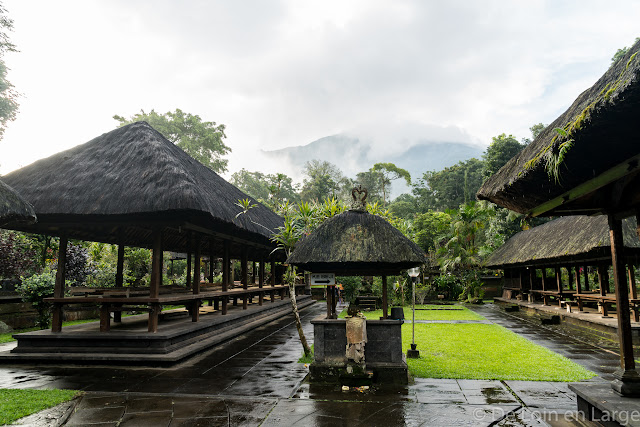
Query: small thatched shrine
{"x": 587, "y": 162}
{"x": 356, "y": 243}
{"x": 133, "y": 187}
{"x": 13, "y": 207}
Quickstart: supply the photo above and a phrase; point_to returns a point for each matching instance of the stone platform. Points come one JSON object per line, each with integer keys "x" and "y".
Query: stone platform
{"x": 597, "y": 402}
{"x": 129, "y": 342}
{"x": 589, "y": 321}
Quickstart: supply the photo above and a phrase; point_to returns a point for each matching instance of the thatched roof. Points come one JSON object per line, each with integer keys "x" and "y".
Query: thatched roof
{"x": 356, "y": 243}
{"x": 134, "y": 178}
{"x": 602, "y": 125}
{"x": 566, "y": 240}
{"x": 13, "y": 207}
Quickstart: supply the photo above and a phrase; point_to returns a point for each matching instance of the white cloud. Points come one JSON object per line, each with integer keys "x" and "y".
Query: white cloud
{"x": 282, "y": 73}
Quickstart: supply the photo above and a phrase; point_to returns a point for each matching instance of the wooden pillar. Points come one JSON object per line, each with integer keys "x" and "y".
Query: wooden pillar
{"x": 117, "y": 315}
{"x": 212, "y": 261}
{"x": 385, "y": 303}
{"x": 578, "y": 283}
{"x": 273, "y": 280}
{"x": 559, "y": 279}
{"x": 585, "y": 270}
{"x": 244, "y": 273}
{"x": 261, "y": 281}
{"x": 225, "y": 273}
{"x": 329, "y": 302}
{"x": 633, "y": 294}
{"x": 189, "y": 248}
{"x": 603, "y": 279}
{"x": 627, "y": 380}
{"x": 543, "y": 278}
{"x": 156, "y": 277}
{"x": 58, "y": 290}
{"x": 195, "y": 307}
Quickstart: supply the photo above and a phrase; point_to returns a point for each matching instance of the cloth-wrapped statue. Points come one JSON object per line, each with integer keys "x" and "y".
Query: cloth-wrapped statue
{"x": 356, "y": 335}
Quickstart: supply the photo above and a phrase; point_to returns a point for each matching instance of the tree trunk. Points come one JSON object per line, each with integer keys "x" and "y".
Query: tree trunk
{"x": 294, "y": 307}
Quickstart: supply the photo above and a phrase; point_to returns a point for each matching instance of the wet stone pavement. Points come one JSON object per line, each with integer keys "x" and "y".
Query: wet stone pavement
{"x": 255, "y": 379}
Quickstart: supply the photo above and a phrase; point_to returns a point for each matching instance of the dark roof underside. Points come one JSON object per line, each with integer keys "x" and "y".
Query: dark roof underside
{"x": 124, "y": 183}
{"x": 356, "y": 243}
{"x": 13, "y": 207}
{"x": 604, "y": 123}
{"x": 566, "y": 240}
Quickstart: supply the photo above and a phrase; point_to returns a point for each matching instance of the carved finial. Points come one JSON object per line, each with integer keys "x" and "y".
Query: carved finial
{"x": 359, "y": 195}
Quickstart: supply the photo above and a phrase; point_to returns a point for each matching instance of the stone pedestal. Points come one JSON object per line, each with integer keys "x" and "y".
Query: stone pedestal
{"x": 383, "y": 351}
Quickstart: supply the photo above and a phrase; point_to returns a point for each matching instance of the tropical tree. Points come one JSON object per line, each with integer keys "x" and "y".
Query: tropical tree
{"x": 499, "y": 152}
{"x": 621, "y": 52}
{"x": 323, "y": 180}
{"x": 390, "y": 172}
{"x": 201, "y": 140}
{"x": 270, "y": 189}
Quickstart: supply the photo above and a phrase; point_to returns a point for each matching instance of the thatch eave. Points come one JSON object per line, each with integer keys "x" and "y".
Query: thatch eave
{"x": 602, "y": 126}
{"x": 571, "y": 240}
{"x": 13, "y": 207}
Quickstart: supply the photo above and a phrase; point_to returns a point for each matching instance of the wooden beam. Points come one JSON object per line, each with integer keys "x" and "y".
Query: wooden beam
{"x": 559, "y": 279}
{"x": 627, "y": 167}
{"x": 261, "y": 281}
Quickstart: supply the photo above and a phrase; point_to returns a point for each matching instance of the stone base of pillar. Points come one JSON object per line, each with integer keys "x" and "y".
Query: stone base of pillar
{"x": 626, "y": 383}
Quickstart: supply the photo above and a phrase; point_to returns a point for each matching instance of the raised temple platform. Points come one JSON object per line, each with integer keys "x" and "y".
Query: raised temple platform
{"x": 129, "y": 342}
{"x": 589, "y": 320}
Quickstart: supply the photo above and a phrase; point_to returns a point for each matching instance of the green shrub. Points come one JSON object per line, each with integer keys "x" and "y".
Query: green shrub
{"x": 34, "y": 289}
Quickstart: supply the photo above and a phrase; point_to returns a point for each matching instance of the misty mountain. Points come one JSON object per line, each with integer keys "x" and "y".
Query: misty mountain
{"x": 353, "y": 154}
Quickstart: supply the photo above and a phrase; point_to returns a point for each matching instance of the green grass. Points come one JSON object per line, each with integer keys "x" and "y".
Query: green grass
{"x": 480, "y": 351}
{"x": 15, "y": 404}
{"x": 434, "y": 312}
{"x": 306, "y": 359}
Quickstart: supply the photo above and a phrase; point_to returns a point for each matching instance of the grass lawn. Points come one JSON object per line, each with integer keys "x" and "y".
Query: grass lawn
{"x": 433, "y": 312}
{"x": 479, "y": 351}
{"x": 15, "y": 404}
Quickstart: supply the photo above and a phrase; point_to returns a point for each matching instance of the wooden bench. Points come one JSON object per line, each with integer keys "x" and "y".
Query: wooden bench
{"x": 563, "y": 295}
{"x": 118, "y": 300}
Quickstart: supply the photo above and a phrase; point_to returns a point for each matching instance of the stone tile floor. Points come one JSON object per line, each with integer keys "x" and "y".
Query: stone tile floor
{"x": 255, "y": 379}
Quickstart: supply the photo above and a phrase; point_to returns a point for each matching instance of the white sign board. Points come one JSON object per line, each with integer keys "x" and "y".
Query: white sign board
{"x": 323, "y": 279}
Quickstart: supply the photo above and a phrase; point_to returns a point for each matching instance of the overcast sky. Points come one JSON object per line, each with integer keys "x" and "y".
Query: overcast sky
{"x": 283, "y": 73}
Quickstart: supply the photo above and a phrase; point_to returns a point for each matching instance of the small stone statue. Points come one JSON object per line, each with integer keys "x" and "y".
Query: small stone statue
{"x": 356, "y": 335}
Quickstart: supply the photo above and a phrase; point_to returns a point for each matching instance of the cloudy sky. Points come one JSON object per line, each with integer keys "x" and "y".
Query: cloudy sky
{"x": 284, "y": 73}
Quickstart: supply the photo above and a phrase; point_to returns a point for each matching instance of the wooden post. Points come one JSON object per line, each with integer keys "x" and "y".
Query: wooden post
{"x": 633, "y": 293}
{"x": 195, "y": 307}
{"x": 587, "y": 285}
{"x": 273, "y": 280}
{"x": 385, "y": 304}
{"x": 532, "y": 275}
{"x": 261, "y": 281}
{"x": 156, "y": 277}
{"x": 627, "y": 380}
{"x": 603, "y": 279}
{"x": 578, "y": 283}
{"x": 212, "y": 263}
{"x": 559, "y": 279}
{"x": 543, "y": 278}
{"x": 58, "y": 290}
{"x": 117, "y": 315}
{"x": 225, "y": 273}
{"x": 329, "y": 302}
{"x": 244, "y": 273}
{"x": 189, "y": 248}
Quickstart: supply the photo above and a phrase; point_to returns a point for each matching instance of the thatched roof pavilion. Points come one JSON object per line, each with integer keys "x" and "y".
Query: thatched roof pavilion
{"x": 118, "y": 186}
{"x": 356, "y": 243}
{"x": 13, "y": 207}
{"x": 563, "y": 241}
{"x": 589, "y": 166}
{"x": 133, "y": 187}
{"x": 601, "y": 126}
